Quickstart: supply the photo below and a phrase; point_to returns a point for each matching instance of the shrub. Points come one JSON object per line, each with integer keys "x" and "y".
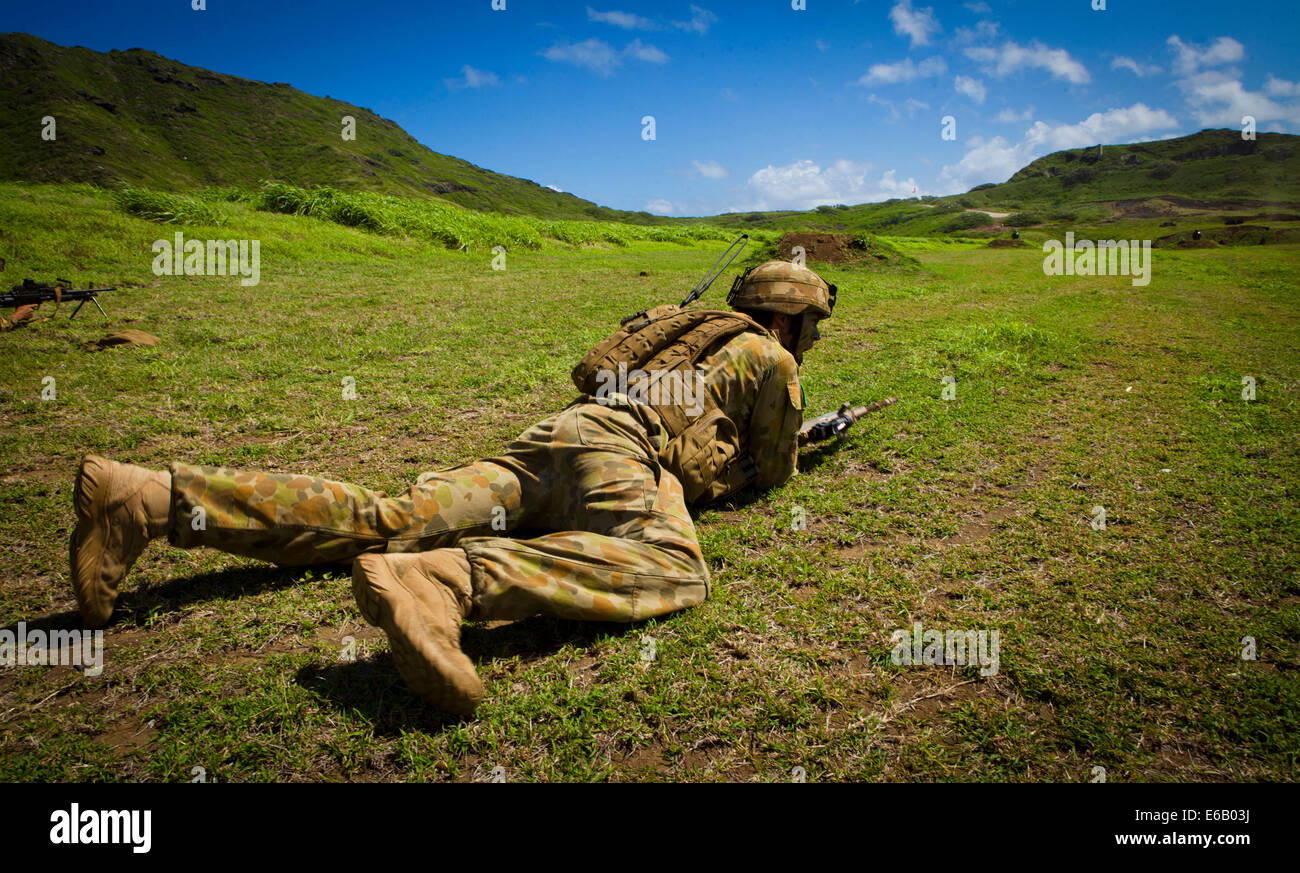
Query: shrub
{"x": 1022, "y": 219}
{"x": 1079, "y": 176}
{"x": 967, "y": 220}
{"x": 1163, "y": 170}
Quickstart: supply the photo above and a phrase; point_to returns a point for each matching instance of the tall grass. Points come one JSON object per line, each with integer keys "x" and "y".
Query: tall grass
{"x": 457, "y": 227}
{"x": 437, "y": 221}
{"x": 167, "y": 208}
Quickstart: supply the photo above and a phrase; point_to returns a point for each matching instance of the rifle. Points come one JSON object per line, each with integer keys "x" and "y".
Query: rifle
{"x": 715, "y": 270}
{"x": 36, "y": 293}
{"x": 834, "y": 424}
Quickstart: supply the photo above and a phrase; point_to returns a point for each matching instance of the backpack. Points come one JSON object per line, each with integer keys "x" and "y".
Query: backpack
{"x": 665, "y": 339}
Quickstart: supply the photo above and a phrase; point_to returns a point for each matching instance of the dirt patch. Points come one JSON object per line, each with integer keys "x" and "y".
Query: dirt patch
{"x": 1229, "y": 205}
{"x": 972, "y": 530}
{"x": 1144, "y": 208}
{"x": 841, "y": 248}
{"x": 865, "y": 470}
{"x": 1264, "y": 216}
{"x": 920, "y": 700}
{"x": 128, "y": 736}
{"x": 1239, "y": 235}
{"x": 646, "y": 758}
{"x": 1007, "y": 244}
{"x": 976, "y": 529}
{"x": 1173, "y": 206}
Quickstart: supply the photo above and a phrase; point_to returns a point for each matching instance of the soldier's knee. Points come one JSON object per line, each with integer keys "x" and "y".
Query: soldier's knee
{"x": 689, "y": 586}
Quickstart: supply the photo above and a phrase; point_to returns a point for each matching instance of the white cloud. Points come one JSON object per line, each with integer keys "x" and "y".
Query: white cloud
{"x": 557, "y": 190}
{"x": 593, "y": 54}
{"x": 600, "y": 57}
{"x": 1190, "y": 57}
{"x": 917, "y": 24}
{"x": 1111, "y": 126}
{"x": 1012, "y": 56}
{"x": 984, "y": 31}
{"x": 821, "y": 46}
{"x": 893, "y": 110}
{"x": 1217, "y": 97}
{"x": 993, "y": 161}
{"x": 903, "y": 71}
{"x": 1220, "y": 100}
{"x": 805, "y": 184}
{"x": 643, "y": 52}
{"x": 625, "y": 20}
{"x": 471, "y": 78}
{"x": 1139, "y": 70}
{"x": 700, "y": 21}
{"x": 1281, "y": 87}
{"x": 659, "y": 206}
{"x": 710, "y": 169}
{"x": 910, "y": 105}
{"x": 972, "y": 88}
{"x": 997, "y": 159}
{"x": 1010, "y": 116}
{"x": 979, "y": 8}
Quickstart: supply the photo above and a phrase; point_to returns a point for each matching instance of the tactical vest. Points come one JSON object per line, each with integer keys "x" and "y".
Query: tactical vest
{"x": 669, "y": 339}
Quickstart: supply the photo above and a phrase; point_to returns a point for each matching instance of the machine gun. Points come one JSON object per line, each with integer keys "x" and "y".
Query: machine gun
{"x": 35, "y": 293}
{"x": 834, "y": 424}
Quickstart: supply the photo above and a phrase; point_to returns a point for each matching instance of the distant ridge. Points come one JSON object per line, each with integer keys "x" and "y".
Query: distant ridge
{"x": 139, "y": 118}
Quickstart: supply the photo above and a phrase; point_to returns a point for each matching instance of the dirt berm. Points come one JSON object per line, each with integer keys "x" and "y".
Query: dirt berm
{"x": 843, "y": 249}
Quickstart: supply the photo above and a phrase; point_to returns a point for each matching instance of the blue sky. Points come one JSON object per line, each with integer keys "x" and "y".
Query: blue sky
{"x": 757, "y": 105}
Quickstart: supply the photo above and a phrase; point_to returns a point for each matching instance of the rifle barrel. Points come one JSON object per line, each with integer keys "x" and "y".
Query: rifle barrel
{"x": 878, "y": 405}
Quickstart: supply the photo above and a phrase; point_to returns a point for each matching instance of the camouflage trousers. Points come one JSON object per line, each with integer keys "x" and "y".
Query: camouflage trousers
{"x": 617, "y": 542}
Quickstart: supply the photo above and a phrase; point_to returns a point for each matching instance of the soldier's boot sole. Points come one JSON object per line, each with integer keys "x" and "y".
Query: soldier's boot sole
{"x": 119, "y": 508}
{"x": 421, "y": 617}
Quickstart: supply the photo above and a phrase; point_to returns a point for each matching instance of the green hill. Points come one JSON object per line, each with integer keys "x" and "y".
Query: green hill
{"x": 1212, "y": 164}
{"x": 136, "y": 117}
{"x": 1212, "y": 176}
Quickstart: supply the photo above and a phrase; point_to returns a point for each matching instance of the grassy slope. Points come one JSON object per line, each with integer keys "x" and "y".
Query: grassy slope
{"x": 1119, "y": 648}
{"x": 137, "y": 117}
{"x": 1209, "y": 165}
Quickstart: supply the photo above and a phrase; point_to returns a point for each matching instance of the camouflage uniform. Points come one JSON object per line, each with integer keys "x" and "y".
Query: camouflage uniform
{"x": 621, "y": 545}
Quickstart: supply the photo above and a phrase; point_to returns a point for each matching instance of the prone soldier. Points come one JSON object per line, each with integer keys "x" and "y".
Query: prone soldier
{"x": 608, "y": 481}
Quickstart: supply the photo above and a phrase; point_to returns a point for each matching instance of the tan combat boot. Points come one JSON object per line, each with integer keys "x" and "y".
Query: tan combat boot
{"x": 120, "y": 507}
{"x": 419, "y": 601}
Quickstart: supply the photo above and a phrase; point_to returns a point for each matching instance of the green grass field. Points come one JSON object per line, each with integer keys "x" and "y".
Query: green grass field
{"x": 1120, "y": 648}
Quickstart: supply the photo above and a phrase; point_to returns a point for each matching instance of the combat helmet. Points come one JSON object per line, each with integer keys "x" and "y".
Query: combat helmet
{"x": 782, "y": 286}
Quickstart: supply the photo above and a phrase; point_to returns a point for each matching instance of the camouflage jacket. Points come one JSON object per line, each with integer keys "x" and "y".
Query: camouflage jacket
{"x": 755, "y": 381}
{"x": 752, "y": 383}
